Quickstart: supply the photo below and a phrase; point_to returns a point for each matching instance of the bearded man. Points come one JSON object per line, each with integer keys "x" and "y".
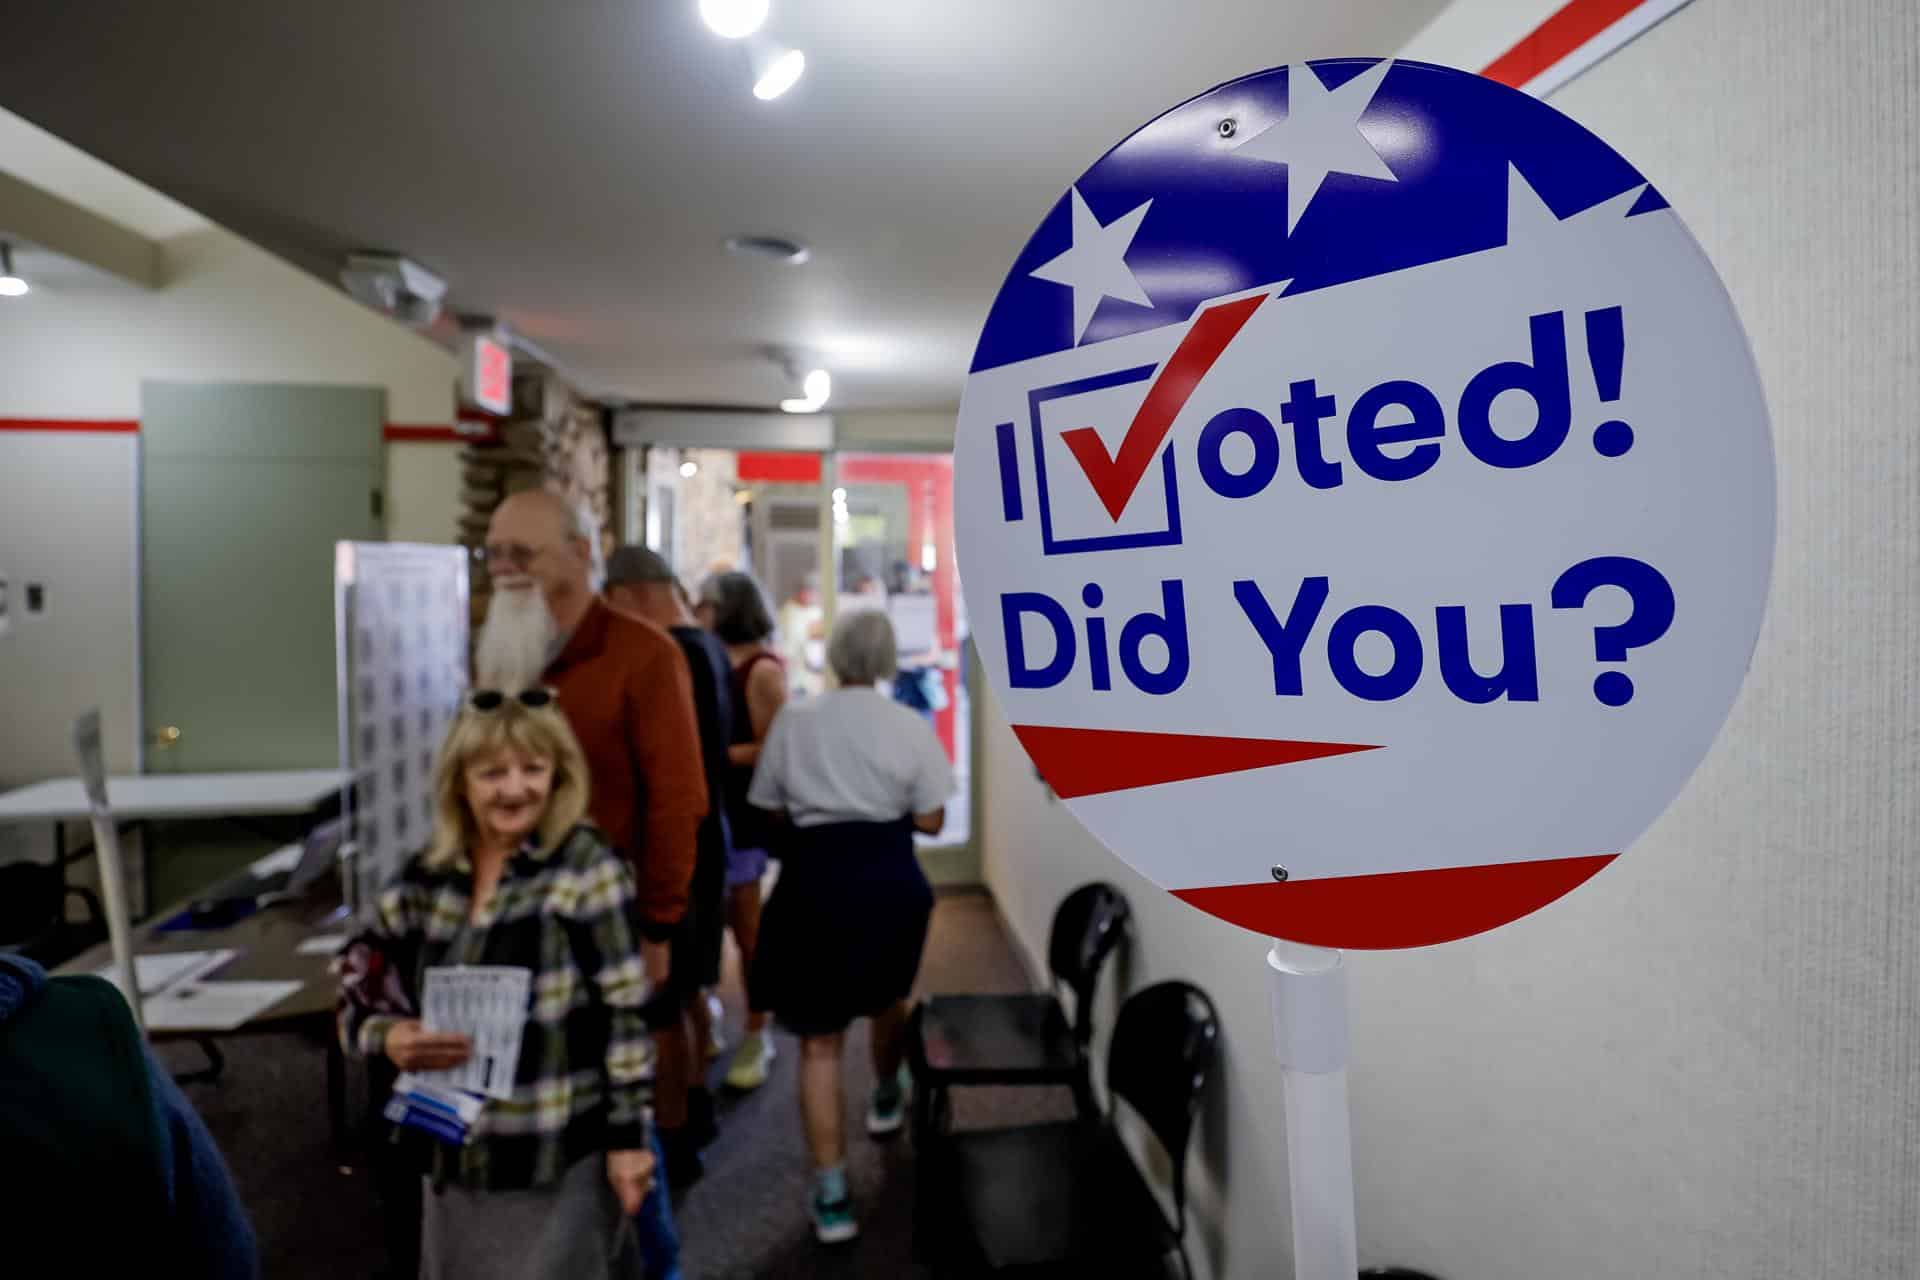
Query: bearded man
{"x": 626, "y": 692}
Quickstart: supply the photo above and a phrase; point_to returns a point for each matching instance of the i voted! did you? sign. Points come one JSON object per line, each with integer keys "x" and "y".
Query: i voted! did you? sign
{"x": 1362, "y": 472}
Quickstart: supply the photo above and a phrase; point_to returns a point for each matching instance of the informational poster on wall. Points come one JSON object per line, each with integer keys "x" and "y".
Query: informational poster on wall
{"x": 401, "y": 620}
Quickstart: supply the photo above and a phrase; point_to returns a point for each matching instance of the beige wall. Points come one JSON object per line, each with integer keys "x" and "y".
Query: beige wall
{"x": 1706, "y": 1062}
{"x": 423, "y": 491}
{"x": 78, "y": 348}
{"x": 229, "y": 313}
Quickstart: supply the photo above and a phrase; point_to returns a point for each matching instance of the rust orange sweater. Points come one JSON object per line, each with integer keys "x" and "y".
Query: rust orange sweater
{"x": 627, "y": 694}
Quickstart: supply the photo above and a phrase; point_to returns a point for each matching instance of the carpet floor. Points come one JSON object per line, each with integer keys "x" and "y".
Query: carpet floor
{"x": 319, "y": 1217}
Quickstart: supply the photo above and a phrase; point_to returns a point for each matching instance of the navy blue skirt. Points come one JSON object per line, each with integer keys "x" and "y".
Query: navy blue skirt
{"x": 842, "y": 934}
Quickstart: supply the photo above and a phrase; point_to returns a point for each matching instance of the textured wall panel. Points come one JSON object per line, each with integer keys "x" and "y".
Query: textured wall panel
{"x": 1707, "y": 1062}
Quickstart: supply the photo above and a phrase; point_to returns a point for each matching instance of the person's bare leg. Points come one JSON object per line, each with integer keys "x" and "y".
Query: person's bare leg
{"x": 743, "y": 917}
{"x": 822, "y": 1104}
{"x": 888, "y": 1040}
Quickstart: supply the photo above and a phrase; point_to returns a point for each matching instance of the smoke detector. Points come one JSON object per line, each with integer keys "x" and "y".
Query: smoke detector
{"x": 395, "y": 286}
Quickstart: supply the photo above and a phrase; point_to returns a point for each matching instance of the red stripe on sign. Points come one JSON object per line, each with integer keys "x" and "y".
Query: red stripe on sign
{"x": 1086, "y": 762}
{"x": 1398, "y": 909}
{"x": 1571, "y": 26}
{"x": 115, "y": 426}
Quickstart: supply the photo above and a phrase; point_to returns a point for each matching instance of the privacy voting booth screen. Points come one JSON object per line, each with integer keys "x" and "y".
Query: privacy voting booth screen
{"x": 1365, "y": 498}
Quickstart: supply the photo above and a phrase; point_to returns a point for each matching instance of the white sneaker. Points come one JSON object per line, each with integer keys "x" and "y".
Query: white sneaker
{"x": 751, "y": 1061}
{"x": 716, "y": 1021}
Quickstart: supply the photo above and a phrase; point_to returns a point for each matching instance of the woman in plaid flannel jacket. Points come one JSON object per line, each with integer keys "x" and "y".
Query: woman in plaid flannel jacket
{"x": 515, "y": 876}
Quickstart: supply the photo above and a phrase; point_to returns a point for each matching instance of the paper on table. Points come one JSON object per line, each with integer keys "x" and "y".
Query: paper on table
{"x": 285, "y": 858}
{"x": 322, "y": 944}
{"x": 214, "y": 1006}
{"x": 159, "y": 970}
{"x": 487, "y": 1003}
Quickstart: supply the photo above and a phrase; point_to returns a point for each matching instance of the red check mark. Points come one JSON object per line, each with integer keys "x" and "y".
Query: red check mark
{"x": 1115, "y": 477}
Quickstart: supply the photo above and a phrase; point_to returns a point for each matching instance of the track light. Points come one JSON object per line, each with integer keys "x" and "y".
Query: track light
{"x": 733, "y": 19}
{"x": 781, "y": 75}
{"x": 11, "y": 285}
{"x": 818, "y": 387}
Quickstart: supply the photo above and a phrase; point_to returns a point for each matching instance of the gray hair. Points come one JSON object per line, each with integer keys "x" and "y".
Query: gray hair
{"x": 862, "y": 651}
{"x": 740, "y": 613}
{"x": 637, "y": 565}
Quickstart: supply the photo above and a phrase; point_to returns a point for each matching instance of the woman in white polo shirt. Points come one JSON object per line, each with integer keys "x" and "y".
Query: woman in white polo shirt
{"x": 856, "y": 774}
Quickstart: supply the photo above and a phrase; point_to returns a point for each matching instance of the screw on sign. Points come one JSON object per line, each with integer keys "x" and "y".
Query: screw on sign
{"x": 1366, "y": 498}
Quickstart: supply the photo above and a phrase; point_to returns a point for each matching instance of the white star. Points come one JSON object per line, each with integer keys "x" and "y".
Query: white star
{"x": 1096, "y": 266}
{"x": 1319, "y": 135}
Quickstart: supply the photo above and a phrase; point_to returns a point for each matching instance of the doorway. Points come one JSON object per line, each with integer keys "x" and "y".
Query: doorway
{"x": 244, "y": 490}
{"x": 827, "y": 532}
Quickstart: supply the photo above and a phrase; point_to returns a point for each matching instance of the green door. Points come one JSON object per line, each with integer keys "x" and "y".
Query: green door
{"x": 244, "y": 489}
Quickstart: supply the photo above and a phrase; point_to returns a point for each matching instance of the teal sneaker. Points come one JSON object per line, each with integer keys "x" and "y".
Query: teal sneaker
{"x": 887, "y": 1110}
{"x": 833, "y": 1220}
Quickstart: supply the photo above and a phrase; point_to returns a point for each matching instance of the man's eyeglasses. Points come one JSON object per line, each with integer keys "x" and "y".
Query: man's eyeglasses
{"x": 494, "y": 699}
{"x": 517, "y": 554}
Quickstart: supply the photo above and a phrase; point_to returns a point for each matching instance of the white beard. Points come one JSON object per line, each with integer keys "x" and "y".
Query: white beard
{"x": 516, "y": 641}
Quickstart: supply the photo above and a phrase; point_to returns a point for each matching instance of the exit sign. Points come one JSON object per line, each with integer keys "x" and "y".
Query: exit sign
{"x": 487, "y": 374}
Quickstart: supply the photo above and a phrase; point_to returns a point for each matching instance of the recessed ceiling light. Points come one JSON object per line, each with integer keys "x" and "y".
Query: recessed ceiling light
{"x": 733, "y": 18}
{"x": 777, "y": 247}
{"x": 781, "y": 76}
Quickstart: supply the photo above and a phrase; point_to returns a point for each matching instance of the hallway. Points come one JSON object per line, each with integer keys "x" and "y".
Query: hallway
{"x": 746, "y": 1217}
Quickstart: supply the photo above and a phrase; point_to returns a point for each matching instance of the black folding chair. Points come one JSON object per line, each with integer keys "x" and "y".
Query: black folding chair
{"x": 1020, "y": 1039}
{"x": 33, "y": 914}
{"x": 1066, "y": 1197}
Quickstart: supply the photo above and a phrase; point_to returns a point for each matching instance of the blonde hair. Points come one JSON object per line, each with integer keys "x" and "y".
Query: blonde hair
{"x": 540, "y": 732}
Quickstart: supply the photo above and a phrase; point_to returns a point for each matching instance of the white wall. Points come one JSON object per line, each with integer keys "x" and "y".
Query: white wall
{"x": 1706, "y": 1063}
{"x": 1469, "y": 34}
{"x": 229, "y": 313}
{"x": 78, "y": 348}
{"x": 423, "y": 491}
{"x": 931, "y": 429}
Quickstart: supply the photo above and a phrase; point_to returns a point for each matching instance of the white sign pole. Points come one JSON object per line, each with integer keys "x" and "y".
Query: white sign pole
{"x": 106, "y": 844}
{"x": 1310, "y": 1032}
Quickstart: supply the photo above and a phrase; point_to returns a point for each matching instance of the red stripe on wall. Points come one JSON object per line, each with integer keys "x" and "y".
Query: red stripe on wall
{"x": 114, "y": 426}
{"x": 131, "y": 426}
{"x": 1571, "y": 26}
{"x": 419, "y": 432}
{"x": 778, "y": 468}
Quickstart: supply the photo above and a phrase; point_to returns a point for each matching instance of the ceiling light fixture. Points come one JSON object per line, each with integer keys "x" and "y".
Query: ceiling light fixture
{"x": 781, "y": 75}
{"x": 733, "y": 19}
{"x": 818, "y": 387}
{"x": 11, "y": 285}
{"x": 688, "y": 470}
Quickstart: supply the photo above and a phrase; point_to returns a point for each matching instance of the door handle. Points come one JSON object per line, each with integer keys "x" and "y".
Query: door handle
{"x": 165, "y": 738}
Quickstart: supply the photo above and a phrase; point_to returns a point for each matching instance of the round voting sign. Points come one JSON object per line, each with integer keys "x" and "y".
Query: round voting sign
{"x": 1365, "y": 502}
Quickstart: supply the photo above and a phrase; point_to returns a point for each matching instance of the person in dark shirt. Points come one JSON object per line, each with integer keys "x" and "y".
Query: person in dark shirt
{"x": 88, "y": 1118}
{"x": 641, "y": 582}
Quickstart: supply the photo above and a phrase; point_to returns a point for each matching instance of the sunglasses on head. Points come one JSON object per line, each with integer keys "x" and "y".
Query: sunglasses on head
{"x": 494, "y": 699}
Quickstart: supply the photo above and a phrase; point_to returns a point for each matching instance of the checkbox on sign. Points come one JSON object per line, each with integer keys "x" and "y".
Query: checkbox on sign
{"x": 1079, "y": 429}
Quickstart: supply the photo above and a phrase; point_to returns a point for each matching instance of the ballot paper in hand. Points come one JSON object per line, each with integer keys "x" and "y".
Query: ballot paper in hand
{"x": 487, "y": 1004}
